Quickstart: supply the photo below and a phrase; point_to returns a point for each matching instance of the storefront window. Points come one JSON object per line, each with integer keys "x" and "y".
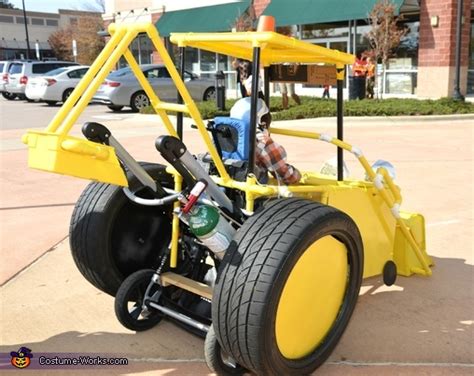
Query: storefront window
{"x": 206, "y": 64}
{"x": 406, "y": 55}
{"x": 223, "y": 62}
{"x": 208, "y": 61}
{"x": 316, "y": 31}
{"x": 400, "y": 82}
{"x": 191, "y": 60}
{"x": 142, "y": 50}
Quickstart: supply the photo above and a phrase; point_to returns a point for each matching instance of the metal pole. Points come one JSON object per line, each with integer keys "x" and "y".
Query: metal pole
{"x": 354, "y": 39}
{"x": 26, "y": 31}
{"x": 266, "y": 78}
{"x": 457, "y": 86}
{"x": 350, "y": 36}
{"x": 253, "y": 109}
{"x": 340, "y": 128}
{"x": 179, "y": 116}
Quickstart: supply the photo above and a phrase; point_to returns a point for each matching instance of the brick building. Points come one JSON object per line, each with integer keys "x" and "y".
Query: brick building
{"x": 40, "y": 26}
{"x": 422, "y": 66}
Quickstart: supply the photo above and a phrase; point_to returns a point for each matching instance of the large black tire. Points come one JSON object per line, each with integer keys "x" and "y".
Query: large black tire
{"x": 111, "y": 237}
{"x": 209, "y": 94}
{"x": 132, "y": 291}
{"x": 8, "y": 96}
{"x": 115, "y": 108}
{"x": 66, "y": 94}
{"x": 217, "y": 361}
{"x": 253, "y": 277}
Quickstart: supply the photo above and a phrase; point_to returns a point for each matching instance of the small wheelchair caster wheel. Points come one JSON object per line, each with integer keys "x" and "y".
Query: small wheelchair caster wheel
{"x": 217, "y": 359}
{"x": 389, "y": 273}
{"x": 129, "y": 307}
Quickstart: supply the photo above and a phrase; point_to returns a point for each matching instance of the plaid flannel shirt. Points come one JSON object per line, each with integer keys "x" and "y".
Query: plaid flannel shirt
{"x": 271, "y": 156}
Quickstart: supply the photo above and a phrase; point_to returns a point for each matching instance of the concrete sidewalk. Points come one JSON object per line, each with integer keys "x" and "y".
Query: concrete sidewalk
{"x": 419, "y": 326}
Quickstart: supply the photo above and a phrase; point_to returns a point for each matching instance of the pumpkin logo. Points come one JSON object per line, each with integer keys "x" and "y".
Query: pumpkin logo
{"x": 21, "y": 358}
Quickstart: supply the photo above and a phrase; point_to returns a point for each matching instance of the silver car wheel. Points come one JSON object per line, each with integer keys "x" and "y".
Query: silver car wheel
{"x": 141, "y": 101}
{"x": 210, "y": 94}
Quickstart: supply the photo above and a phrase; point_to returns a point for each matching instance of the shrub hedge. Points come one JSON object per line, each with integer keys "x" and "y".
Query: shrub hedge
{"x": 312, "y": 107}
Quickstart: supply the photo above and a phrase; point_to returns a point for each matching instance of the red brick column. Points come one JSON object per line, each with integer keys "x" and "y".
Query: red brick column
{"x": 437, "y": 50}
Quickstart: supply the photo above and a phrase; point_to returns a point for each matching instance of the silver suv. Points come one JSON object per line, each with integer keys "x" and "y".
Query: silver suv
{"x": 4, "y": 66}
{"x": 20, "y": 71}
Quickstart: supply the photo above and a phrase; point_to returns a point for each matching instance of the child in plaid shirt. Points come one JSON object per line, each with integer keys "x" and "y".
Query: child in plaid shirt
{"x": 270, "y": 156}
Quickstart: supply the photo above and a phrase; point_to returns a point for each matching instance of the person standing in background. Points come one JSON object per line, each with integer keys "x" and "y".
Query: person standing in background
{"x": 248, "y": 87}
{"x": 244, "y": 71}
{"x": 287, "y": 87}
{"x": 359, "y": 68}
{"x": 326, "y": 91}
{"x": 370, "y": 83}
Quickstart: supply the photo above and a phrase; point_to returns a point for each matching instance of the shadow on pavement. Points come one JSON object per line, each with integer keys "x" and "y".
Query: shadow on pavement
{"x": 419, "y": 319}
{"x": 76, "y": 343}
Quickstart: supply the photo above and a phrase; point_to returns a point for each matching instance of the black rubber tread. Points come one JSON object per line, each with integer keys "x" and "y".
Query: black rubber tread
{"x": 89, "y": 228}
{"x": 248, "y": 280}
{"x": 9, "y": 96}
{"x": 51, "y": 103}
{"x": 212, "y": 355}
{"x": 206, "y": 93}
{"x": 125, "y": 292}
{"x": 66, "y": 94}
{"x": 115, "y": 108}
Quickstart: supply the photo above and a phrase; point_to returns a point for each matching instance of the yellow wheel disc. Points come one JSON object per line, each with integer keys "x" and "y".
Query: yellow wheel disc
{"x": 311, "y": 298}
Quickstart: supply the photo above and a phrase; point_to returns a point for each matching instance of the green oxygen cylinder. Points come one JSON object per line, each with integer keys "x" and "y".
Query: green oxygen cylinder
{"x": 211, "y": 228}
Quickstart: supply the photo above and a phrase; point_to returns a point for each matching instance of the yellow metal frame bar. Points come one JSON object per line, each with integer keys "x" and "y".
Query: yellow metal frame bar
{"x": 389, "y": 192}
{"x": 276, "y": 48}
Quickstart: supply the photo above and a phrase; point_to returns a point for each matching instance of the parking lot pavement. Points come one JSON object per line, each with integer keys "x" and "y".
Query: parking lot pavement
{"x": 35, "y": 206}
{"x": 418, "y": 326}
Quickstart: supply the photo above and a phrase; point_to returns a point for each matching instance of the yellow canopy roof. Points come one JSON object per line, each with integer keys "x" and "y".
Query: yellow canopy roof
{"x": 275, "y": 48}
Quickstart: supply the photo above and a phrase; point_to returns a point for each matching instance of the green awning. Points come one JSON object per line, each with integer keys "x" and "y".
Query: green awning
{"x": 296, "y": 12}
{"x": 220, "y": 17}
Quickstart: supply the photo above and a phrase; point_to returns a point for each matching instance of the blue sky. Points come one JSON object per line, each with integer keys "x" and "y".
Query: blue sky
{"x": 51, "y": 5}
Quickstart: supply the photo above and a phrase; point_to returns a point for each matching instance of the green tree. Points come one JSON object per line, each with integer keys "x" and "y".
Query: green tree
{"x": 5, "y": 4}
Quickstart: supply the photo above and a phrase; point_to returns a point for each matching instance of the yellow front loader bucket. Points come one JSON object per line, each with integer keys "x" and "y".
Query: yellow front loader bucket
{"x": 404, "y": 255}
{"x": 73, "y": 156}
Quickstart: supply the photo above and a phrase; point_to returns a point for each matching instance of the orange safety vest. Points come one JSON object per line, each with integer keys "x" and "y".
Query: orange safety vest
{"x": 359, "y": 68}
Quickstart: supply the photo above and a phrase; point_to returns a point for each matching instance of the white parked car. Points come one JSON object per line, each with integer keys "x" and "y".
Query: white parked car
{"x": 4, "y": 66}
{"x": 56, "y": 85}
{"x": 21, "y": 71}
